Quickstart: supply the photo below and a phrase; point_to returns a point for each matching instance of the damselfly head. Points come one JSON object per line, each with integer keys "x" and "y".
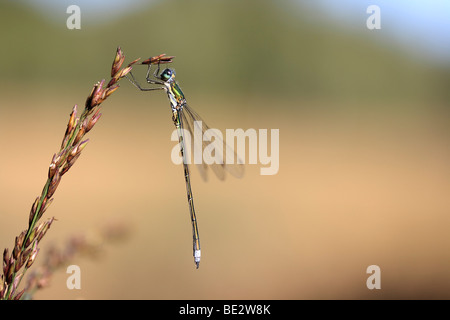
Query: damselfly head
{"x": 168, "y": 74}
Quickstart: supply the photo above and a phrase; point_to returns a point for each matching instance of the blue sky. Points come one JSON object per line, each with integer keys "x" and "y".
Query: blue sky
{"x": 422, "y": 26}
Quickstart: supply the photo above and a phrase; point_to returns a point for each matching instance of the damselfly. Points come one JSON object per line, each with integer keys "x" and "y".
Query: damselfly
{"x": 185, "y": 117}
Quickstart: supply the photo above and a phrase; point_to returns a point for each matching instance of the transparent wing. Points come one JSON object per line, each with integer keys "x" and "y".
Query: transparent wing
{"x": 214, "y": 152}
{"x": 189, "y": 125}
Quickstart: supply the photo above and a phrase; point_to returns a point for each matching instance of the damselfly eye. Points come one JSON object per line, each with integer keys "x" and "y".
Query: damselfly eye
{"x": 167, "y": 74}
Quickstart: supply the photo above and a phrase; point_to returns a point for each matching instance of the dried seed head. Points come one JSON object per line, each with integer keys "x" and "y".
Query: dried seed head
{"x": 88, "y": 102}
{"x": 45, "y": 207}
{"x": 82, "y": 145}
{"x": 76, "y": 150}
{"x": 10, "y": 272}
{"x": 71, "y": 153}
{"x": 94, "y": 97}
{"x": 125, "y": 71}
{"x": 72, "y": 118}
{"x": 93, "y": 120}
{"x": 133, "y": 62}
{"x": 5, "y": 261}
{"x": 20, "y": 238}
{"x": 70, "y": 126}
{"x": 69, "y": 164}
{"x": 35, "y": 234}
{"x": 56, "y": 158}
{"x": 80, "y": 133}
{"x": 162, "y": 58}
{"x": 119, "y": 75}
{"x": 43, "y": 231}
{"x": 33, "y": 255}
{"x": 18, "y": 245}
{"x": 113, "y": 80}
{"x": 16, "y": 252}
{"x": 118, "y": 61}
{"x": 2, "y": 287}
{"x": 53, "y": 184}
{"x": 19, "y": 263}
{"x": 19, "y": 295}
{"x": 44, "y": 202}
{"x": 26, "y": 253}
{"x": 32, "y": 236}
{"x": 109, "y": 91}
{"x": 97, "y": 99}
{"x": 33, "y": 211}
{"x": 52, "y": 170}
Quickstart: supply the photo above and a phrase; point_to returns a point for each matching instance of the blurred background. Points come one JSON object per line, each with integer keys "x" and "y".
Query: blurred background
{"x": 364, "y": 148}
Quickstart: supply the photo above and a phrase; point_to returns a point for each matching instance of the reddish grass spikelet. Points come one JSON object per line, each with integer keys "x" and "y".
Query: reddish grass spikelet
{"x": 19, "y": 295}
{"x": 33, "y": 255}
{"x": 94, "y": 98}
{"x": 133, "y": 62}
{"x": 117, "y": 74}
{"x": 73, "y": 121}
{"x": 109, "y": 90}
{"x": 91, "y": 123}
{"x": 161, "y": 59}
{"x": 43, "y": 231}
{"x": 53, "y": 184}
{"x": 33, "y": 211}
{"x": 118, "y": 61}
{"x": 5, "y": 260}
{"x": 81, "y": 132}
{"x": 73, "y": 116}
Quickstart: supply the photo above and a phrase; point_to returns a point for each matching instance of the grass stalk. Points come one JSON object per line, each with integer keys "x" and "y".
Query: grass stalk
{"x": 24, "y": 253}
